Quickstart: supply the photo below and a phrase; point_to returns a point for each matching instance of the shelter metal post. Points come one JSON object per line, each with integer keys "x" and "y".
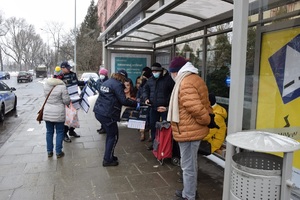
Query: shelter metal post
{"x": 237, "y": 84}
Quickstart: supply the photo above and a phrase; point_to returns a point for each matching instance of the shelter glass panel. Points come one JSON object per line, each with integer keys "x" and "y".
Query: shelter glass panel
{"x": 191, "y": 51}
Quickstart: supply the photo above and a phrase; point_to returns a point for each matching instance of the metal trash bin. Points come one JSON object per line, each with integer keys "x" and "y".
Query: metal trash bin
{"x": 256, "y": 175}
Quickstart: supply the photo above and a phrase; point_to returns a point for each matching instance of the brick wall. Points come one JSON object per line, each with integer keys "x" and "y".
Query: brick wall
{"x": 106, "y": 9}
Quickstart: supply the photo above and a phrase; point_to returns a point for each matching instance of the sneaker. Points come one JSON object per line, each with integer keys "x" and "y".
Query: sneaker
{"x": 150, "y": 148}
{"x": 178, "y": 193}
{"x": 67, "y": 139}
{"x": 110, "y": 164}
{"x": 74, "y": 134}
{"x": 62, "y": 154}
{"x": 115, "y": 158}
{"x": 50, "y": 154}
{"x": 101, "y": 131}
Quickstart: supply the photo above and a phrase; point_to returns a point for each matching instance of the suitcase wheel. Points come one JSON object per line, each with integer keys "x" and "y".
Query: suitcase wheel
{"x": 176, "y": 161}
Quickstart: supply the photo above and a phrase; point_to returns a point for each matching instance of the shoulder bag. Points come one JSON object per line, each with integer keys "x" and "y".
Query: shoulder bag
{"x": 41, "y": 111}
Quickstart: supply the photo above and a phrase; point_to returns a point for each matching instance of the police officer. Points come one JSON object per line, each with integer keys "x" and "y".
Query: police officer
{"x": 107, "y": 111}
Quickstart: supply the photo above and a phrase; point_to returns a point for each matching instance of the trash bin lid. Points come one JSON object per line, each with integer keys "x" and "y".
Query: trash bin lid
{"x": 263, "y": 141}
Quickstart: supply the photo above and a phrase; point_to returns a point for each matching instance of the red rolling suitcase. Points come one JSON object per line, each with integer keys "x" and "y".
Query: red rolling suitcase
{"x": 163, "y": 143}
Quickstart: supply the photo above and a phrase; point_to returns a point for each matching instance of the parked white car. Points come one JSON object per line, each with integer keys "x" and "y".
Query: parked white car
{"x": 87, "y": 75}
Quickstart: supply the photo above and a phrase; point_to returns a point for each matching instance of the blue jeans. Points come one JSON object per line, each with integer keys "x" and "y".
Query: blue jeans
{"x": 59, "y": 127}
{"x": 156, "y": 117}
{"x": 189, "y": 166}
{"x": 112, "y": 136}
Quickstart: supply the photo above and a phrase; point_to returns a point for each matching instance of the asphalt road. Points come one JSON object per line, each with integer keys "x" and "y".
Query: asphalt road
{"x": 29, "y": 95}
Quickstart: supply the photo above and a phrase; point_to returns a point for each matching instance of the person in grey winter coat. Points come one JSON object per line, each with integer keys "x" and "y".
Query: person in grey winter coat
{"x": 54, "y": 112}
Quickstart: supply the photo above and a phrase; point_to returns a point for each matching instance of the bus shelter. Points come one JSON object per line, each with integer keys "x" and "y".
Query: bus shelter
{"x": 246, "y": 51}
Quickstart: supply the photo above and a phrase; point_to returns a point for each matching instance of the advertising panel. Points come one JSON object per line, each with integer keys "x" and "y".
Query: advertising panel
{"x": 132, "y": 63}
{"x": 278, "y": 106}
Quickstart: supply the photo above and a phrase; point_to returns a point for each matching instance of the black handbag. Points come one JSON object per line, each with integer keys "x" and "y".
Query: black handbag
{"x": 204, "y": 148}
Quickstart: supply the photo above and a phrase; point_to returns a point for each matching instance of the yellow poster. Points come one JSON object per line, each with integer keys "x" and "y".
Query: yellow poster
{"x": 278, "y": 106}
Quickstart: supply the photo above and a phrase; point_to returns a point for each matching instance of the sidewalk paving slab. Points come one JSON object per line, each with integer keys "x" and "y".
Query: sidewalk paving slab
{"x": 27, "y": 173}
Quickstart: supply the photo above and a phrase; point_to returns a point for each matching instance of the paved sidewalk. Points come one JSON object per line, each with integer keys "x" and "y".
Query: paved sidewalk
{"x": 26, "y": 173}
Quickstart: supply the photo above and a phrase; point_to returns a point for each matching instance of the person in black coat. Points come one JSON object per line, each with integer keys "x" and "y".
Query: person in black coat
{"x": 157, "y": 91}
{"x": 107, "y": 111}
{"x": 70, "y": 78}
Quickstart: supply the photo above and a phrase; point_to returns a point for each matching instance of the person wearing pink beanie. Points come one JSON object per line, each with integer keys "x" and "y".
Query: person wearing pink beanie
{"x": 103, "y": 76}
{"x": 103, "y": 71}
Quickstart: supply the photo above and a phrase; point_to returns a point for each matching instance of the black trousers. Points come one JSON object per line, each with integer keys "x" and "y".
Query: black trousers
{"x": 67, "y": 129}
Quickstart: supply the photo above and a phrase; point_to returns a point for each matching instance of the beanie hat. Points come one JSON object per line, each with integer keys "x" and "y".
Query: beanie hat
{"x": 57, "y": 71}
{"x": 156, "y": 67}
{"x": 103, "y": 71}
{"x": 122, "y": 72}
{"x": 212, "y": 99}
{"x": 65, "y": 64}
{"x": 176, "y": 64}
{"x": 147, "y": 72}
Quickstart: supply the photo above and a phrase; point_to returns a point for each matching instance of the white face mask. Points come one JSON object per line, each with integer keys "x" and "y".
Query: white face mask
{"x": 173, "y": 75}
{"x": 102, "y": 77}
{"x": 156, "y": 74}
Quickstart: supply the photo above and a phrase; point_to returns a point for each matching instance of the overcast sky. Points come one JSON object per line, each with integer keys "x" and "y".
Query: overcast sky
{"x": 39, "y": 12}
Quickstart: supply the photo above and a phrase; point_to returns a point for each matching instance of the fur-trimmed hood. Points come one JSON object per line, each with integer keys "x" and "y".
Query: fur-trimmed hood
{"x": 54, "y": 81}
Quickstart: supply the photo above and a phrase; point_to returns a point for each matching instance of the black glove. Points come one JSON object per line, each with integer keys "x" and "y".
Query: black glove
{"x": 212, "y": 123}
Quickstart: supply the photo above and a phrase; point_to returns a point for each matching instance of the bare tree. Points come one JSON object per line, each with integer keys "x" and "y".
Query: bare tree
{"x": 21, "y": 43}
{"x": 11, "y": 44}
{"x": 47, "y": 56}
{"x": 55, "y": 30}
{"x": 67, "y": 47}
{"x": 32, "y": 50}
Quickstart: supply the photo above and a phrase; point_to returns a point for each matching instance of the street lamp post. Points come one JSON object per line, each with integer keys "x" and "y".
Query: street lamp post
{"x": 75, "y": 39}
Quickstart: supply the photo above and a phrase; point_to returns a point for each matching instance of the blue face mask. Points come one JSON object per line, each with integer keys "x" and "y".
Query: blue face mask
{"x": 156, "y": 74}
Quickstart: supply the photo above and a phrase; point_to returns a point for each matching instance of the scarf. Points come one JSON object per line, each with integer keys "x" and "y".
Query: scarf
{"x": 173, "y": 113}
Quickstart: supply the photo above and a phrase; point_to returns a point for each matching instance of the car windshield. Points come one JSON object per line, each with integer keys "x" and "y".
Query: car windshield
{"x": 22, "y": 73}
{"x": 3, "y": 86}
{"x": 2, "y": 73}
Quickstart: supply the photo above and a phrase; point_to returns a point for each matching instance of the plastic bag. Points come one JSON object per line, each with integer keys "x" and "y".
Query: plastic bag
{"x": 71, "y": 117}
